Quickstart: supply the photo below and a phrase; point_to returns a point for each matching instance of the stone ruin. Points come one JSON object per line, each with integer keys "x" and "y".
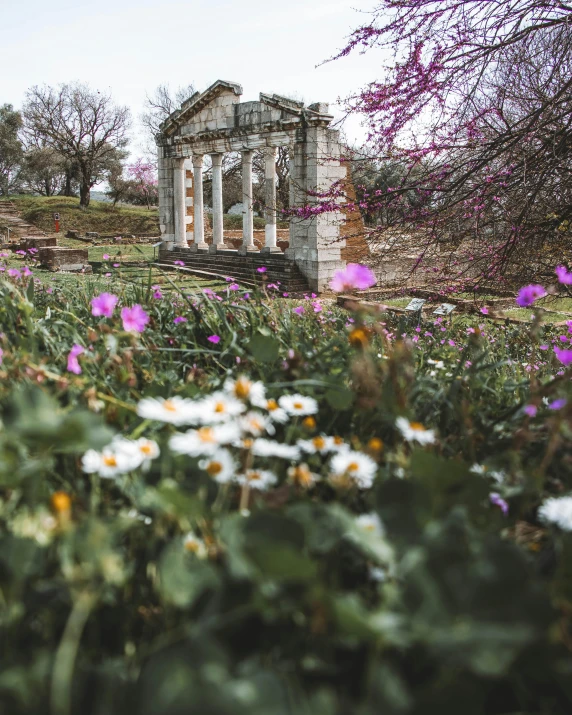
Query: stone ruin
{"x": 214, "y": 122}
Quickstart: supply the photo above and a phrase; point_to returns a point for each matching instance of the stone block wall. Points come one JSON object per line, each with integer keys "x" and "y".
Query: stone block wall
{"x": 64, "y": 259}
{"x": 37, "y": 242}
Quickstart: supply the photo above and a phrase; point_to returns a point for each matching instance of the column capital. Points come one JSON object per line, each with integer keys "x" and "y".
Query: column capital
{"x": 247, "y": 154}
{"x": 270, "y": 151}
{"x": 216, "y": 158}
{"x": 198, "y": 161}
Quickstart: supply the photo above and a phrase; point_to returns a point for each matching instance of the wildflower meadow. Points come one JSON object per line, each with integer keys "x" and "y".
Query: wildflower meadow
{"x": 229, "y": 501}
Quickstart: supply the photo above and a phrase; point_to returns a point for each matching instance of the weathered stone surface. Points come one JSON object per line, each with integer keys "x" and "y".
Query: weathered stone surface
{"x": 37, "y": 242}
{"x": 64, "y": 259}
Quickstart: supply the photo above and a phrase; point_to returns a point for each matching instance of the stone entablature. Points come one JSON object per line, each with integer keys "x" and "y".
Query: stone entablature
{"x": 214, "y": 122}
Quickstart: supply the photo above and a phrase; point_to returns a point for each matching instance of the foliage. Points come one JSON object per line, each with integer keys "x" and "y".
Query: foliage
{"x": 11, "y": 149}
{"x": 161, "y": 591}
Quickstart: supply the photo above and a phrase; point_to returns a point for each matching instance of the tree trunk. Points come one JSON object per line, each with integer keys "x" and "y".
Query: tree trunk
{"x": 67, "y": 185}
{"x": 84, "y": 195}
{"x": 48, "y": 187}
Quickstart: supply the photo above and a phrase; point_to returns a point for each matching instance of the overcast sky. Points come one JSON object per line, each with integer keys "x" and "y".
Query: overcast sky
{"x": 131, "y": 46}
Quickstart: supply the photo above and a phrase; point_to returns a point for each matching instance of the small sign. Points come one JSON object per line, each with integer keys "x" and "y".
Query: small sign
{"x": 416, "y": 305}
{"x": 445, "y": 309}
{"x": 56, "y": 217}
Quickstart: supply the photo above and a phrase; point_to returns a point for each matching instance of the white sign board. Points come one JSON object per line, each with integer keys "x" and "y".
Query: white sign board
{"x": 445, "y": 309}
{"x": 416, "y": 304}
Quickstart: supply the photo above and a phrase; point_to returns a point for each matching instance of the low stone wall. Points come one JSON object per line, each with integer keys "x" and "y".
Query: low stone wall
{"x": 37, "y": 242}
{"x": 64, "y": 259}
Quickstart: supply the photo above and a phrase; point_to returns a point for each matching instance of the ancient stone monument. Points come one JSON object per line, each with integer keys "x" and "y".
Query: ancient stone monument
{"x": 214, "y": 122}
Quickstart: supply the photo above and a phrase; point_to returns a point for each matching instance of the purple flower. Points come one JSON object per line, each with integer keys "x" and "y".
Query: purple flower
{"x": 562, "y": 355}
{"x": 299, "y": 310}
{"x": 157, "y": 295}
{"x": 106, "y": 256}
{"x": 484, "y": 310}
{"x": 134, "y": 319}
{"x": 353, "y": 276}
{"x": 531, "y": 410}
{"x": 14, "y": 273}
{"x": 116, "y": 265}
{"x": 179, "y": 319}
{"x": 104, "y": 304}
{"x": 497, "y": 500}
{"x": 214, "y": 339}
{"x": 73, "y": 364}
{"x": 528, "y": 294}
{"x": 261, "y": 269}
{"x": 558, "y": 404}
{"x": 26, "y": 271}
{"x": 178, "y": 263}
{"x": 234, "y": 286}
{"x": 563, "y": 275}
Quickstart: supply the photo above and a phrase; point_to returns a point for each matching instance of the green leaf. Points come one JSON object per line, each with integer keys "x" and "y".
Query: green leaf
{"x": 340, "y": 399}
{"x": 264, "y": 348}
{"x": 30, "y": 291}
{"x": 183, "y": 577}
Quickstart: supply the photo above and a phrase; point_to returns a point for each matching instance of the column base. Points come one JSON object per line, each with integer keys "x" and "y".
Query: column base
{"x": 215, "y": 247}
{"x": 196, "y": 247}
{"x": 180, "y": 245}
{"x": 270, "y": 249}
{"x": 243, "y": 250}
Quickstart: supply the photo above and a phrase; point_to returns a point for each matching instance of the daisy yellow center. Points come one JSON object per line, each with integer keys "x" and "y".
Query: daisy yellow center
{"x": 369, "y": 527}
{"x": 254, "y": 476}
{"x": 206, "y": 434}
{"x": 61, "y": 502}
{"x": 353, "y": 467}
{"x": 302, "y": 476}
{"x": 247, "y": 443}
{"x": 110, "y": 461}
{"x": 298, "y": 405}
{"x": 376, "y": 444}
{"x": 192, "y": 545}
{"x": 214, "y": 468}
{"x": 255, "y": 424}
{"x": 242, "y": 389}
{"x": 338, "y": 441}
{"x": 417, "y": 426}
{"x": 319, "y": 442}
{"x": 169, "y": 406}
{"x": 146, "y": 449}
{"x": 271, "y": 405}
{"x": 220, "y": 407}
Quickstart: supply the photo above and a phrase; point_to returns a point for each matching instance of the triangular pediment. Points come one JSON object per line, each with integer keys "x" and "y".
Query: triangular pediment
{"x": 200, "y": 101}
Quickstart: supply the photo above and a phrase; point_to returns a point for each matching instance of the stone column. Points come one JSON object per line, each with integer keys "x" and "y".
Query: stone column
{"x": 179, "y": 203}
{"x": 198, "y": 204}
{"x": 247, "y": 213}
{"x": 218, "y": 237}
{"x": 270, "y": 201}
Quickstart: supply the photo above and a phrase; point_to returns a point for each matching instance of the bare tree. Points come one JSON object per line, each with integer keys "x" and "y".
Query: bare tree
{"x": 162, "y": 102}
{"x": 81, "y": 124}
{"x": 11, "y": 150}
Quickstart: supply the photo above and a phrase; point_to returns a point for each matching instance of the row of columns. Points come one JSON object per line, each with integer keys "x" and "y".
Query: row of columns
{"x": 180, "y": 201}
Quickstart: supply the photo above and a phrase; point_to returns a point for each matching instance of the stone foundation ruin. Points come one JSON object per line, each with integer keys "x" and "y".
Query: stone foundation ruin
{"x": 214, "y": 122}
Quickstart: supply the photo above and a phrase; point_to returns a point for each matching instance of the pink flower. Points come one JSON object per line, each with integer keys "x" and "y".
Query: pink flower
{"x": 179, "y": 319}
{"x": 14, "y": 273}
{"x": 261, "y": 269}
{"x": 26, "y": 271}
{"x": 528, "y": 294}
{"x": 531, "y": 410}
{"x": 562, "y": 355}
{"x": 484, "y": 310}
{"x": 73, "y": 364}
{"x": 157, "y": 295}
{"x": 563, "y": 275}
{"x": 134, "y": 319}
{"x": 106, "y": 256}
{"x": 234, "y": 286}
{"x": 214, "y": 339}
{"x": 116, "y": 265}
{"x": 178, "y": 263}
{"x": 353, "y": 277}
{"x": 299, "y": 310}
{"x": 558, "y": 404}
{"x": 104, "y": 304}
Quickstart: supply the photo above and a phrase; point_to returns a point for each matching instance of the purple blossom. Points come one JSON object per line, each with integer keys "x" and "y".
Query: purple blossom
{"x": 261, "y": 269}
{"x": 234, "y": 286}
{"x": 73, "y": 364}
{"x": 484, "y": 310}
{"x": 215, "y": 339}
{"x": 116, "y": 265}
{"x": 180, "y": 319}
{"x": 563, "y": 275}
{"x": 157, "y": 295}
{"x": 134, "y": 318}
{"x": 497, "y": 500}
{"x": 14, "y": 273}
{"x": 104, "y": 304}
{"x": 558, "y": 404}
{"x": 353, "y": 277}
{"x": 26, "y": 271}
{"x": 562, "y": 355}
{"x": 531, "y": 410}
{"x": 106, "y": 256}
{"x": 178, "y": 263}
{"x": 528, "y": 294}
{"x": 299, "y": 310}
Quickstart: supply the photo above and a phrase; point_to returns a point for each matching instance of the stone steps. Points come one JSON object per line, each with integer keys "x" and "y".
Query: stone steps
{"x": 242, "y": 269}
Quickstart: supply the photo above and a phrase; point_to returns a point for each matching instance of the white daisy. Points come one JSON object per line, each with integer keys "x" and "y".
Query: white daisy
{"x": 257, "y": 479}
{"x": 244, "y": 389}
{"x": 439, "y": 365}
{"x": 108, "y": 463}
{"x": 347, "y": 467}
{"x": 220, "y": 466}
{"x": 479, "y": 469}
{"x": 298, "y": 405}
{"x": 275, "y": 412}
{"x": 322, "y": 444}
{"x": 256, "y": 424}
{"x": 205, "y": 440}
{"x": 370, "y": 523}
{"x": 301, "y": 476}
{"x": 414, "y": 431}
{"x": 558, "y": 511}
{"x": 175, "y": 410}
{"x": 219, "y": 407}
{"x": 268, "y": 448}
{"x": 194, "y": 545}
{"x": 140, "y": 452}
